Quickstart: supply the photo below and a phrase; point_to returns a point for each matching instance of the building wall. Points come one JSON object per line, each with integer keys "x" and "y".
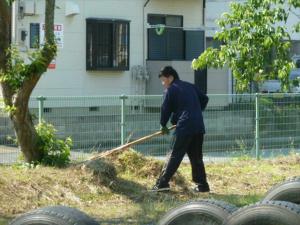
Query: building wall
{"x": 218, "y": 82}
{"x": 70, "y": 76}
{"x": 213, "y": 11}
{"x": 191, "y": 10}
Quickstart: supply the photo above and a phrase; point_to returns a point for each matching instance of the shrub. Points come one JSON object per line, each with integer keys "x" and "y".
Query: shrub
{"x": 56, "y": 152}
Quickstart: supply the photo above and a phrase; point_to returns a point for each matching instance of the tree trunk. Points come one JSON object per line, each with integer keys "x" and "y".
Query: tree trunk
{"x": 5, "y": 34}
{"x": 26, "y": 134}
{"x": 5, "y": 26}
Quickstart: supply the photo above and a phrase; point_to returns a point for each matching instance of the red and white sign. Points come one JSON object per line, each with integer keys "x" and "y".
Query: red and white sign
{"x": 52, "y": 64}
{"x": 58, "y": 33}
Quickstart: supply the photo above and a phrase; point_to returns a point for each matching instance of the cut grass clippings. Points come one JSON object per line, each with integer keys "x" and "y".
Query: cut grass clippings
{"x": 115, "y": 188}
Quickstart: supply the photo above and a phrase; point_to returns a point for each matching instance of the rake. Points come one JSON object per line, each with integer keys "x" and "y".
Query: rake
{"x": 127, "y": 145}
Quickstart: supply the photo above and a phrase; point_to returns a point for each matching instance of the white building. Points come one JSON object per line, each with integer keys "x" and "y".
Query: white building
{"x": 113, "y": 46}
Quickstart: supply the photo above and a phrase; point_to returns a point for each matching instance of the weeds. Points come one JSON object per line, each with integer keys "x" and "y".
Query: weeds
{"x": 124, "y": 196}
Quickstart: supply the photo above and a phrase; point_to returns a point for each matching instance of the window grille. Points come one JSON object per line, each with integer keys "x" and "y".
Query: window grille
{"x": 107, "y": 44}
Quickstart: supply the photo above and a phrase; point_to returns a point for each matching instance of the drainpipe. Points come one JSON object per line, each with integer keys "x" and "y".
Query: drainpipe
{"x": 13, "y": 27}
{"x": 203, "y": 22}
{"x": 145, "y": 4}
{"x": 144, "y": 56}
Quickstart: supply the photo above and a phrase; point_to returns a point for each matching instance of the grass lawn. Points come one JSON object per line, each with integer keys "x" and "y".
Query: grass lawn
{"x": 3, "y": 221}
{"x": 122, "y": 196}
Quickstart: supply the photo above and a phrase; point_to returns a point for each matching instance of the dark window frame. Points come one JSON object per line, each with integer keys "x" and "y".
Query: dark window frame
{"x": 164, "y": 15}
{"x": 111, "y": 51}
{"x": 168, "y": 28}
{"x": 34, "y": 37}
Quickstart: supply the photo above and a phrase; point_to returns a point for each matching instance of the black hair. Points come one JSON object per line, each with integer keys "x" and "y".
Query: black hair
{"x": 168, "y": 71}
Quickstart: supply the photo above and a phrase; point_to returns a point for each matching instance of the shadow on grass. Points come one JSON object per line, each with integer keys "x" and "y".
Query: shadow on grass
{"x": 152, "y": 205}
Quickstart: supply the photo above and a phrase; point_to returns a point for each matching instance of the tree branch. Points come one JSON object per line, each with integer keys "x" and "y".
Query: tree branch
{"x": 48, "y": 52}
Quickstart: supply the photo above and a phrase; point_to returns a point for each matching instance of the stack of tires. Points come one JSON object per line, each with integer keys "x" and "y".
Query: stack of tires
{"x": 280, "y": 206}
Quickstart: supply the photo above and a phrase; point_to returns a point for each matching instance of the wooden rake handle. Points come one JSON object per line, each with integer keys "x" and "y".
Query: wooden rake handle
{"x": 127, "y": 145}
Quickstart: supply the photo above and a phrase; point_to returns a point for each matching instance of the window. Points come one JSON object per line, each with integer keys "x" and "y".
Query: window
{"x": 170, "y": 44}
{"x": 34, "y": 35}
{"x": 107, "y": 44}
{"x": 174, "y": 43}
{"x": 168, "y": 20}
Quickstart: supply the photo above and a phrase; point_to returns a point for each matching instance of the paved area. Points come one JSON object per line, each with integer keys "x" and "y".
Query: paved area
{"x": 10, "y": 154}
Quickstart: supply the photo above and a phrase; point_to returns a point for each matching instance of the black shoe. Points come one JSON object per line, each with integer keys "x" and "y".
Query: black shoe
{"x": 201, "y": 188}
{"x": 159, "y": 187}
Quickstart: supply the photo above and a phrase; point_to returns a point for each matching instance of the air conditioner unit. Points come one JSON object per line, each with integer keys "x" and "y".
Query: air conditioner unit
{"x": 72, "y": 8}
{"x": 26, "y": 8}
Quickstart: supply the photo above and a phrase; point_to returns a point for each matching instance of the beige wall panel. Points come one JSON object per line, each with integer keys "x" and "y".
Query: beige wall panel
{"x": 190, "y": 9}
{"x": 217, "y": 83}
{"x": 70, "y": 74}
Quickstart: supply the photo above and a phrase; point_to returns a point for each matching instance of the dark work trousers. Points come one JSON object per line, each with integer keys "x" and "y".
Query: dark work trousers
{"x": 192, "y": 145}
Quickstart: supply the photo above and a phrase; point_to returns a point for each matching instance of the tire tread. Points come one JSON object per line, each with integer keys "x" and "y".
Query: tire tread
{"x": 70, "y": 216}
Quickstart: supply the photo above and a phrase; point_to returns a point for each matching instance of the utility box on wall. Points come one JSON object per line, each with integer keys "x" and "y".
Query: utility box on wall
{"x": 26, "y": 8}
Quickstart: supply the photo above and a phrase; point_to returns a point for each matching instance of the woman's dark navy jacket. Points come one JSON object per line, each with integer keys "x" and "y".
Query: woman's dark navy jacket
{"x": 183, "y": 103}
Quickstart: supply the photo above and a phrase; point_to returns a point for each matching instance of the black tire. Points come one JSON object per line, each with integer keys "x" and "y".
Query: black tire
{"x": 54, "y": 215}
{"x": 202, "y": 212}
{"x": 266, "y": 213}
{"x": 287, "y": 191}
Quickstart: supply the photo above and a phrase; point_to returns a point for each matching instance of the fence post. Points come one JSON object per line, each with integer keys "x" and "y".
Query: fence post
{"x": 123, "y": 98}
{"x": 257, "y": 139}
{"x": 41, "y": 100}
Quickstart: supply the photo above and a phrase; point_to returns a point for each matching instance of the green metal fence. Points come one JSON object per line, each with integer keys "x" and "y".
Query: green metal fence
{"x": 258, "y": 125}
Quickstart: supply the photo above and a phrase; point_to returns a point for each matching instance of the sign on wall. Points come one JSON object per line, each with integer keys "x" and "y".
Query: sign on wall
{"x": 52, "y": 64}
{"x": 58, "y": 33}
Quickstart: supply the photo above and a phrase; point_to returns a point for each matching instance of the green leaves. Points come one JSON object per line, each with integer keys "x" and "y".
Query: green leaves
{"x": 268, "y": 42}
{"x": 15, "y": 69}
{"x": 10, "y": 2}
{"x": 21, "y": 67}
{"x": 294, "y": 3}
{"x": 56, "y": 152}
{"x": 297, "y": 27}
{"x": 10, "y": 109}
{"x": 255, "y": 47}
{"x": 210, "y": 56}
